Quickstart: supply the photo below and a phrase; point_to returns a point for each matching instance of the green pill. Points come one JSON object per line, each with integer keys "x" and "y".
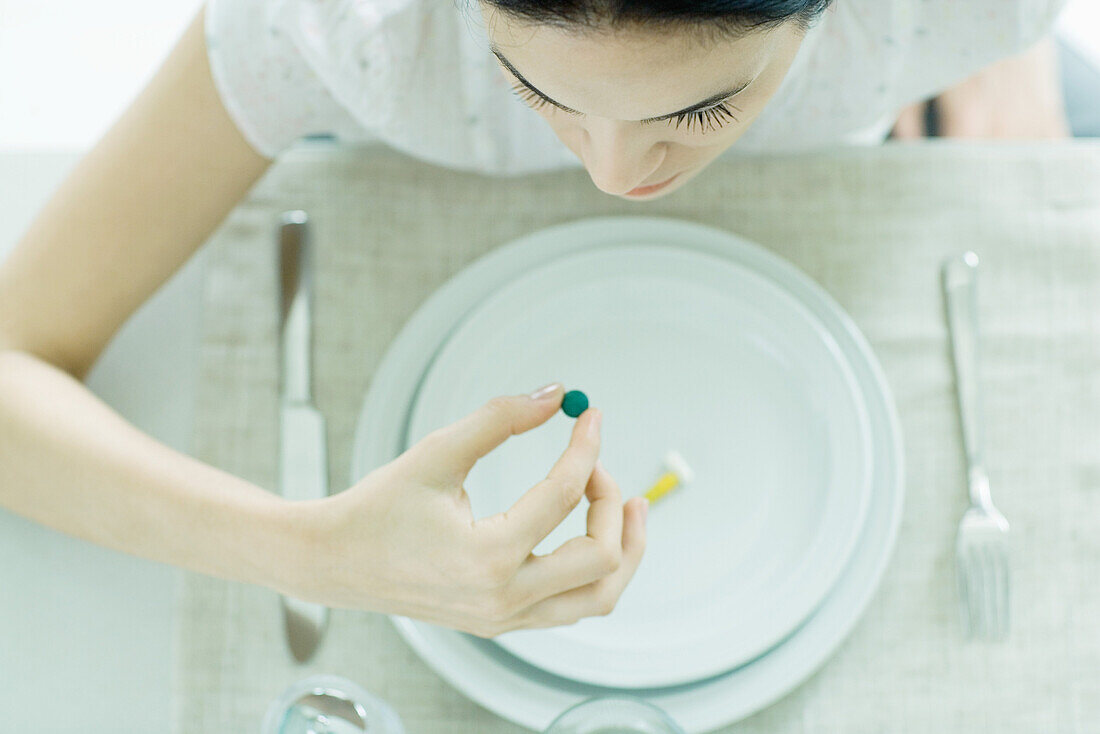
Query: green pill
{"x": 574, "y": 403}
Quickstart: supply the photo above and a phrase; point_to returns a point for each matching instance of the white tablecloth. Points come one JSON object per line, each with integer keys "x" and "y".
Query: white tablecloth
{"x": 871, "y": 226}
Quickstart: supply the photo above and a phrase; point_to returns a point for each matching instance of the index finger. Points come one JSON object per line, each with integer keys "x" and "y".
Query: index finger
{"x": 449, "y": 453}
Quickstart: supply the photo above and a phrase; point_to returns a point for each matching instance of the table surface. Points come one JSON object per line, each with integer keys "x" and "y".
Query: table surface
{"x": 49, "y": 580}
{"x": 871, "y": 225}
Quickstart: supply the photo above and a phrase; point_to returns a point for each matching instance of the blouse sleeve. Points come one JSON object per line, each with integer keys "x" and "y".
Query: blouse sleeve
{"x": 1037, "y": 19}
{"x": 949, "y": 41}
{"x": 269, "y": 90}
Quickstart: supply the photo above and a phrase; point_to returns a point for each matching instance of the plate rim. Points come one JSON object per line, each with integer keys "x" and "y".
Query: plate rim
{"x": 709, "y": 657}
{"x": 495, "y": 266}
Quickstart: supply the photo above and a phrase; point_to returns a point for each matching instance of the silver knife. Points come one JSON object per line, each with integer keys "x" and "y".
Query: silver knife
{"x": 303, "y": 459}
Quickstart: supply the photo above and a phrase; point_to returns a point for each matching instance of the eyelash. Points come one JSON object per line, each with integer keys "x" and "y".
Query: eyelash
{"x": 713, "y": 118}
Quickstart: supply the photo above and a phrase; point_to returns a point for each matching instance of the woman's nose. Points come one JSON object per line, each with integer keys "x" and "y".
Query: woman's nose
{"x": 619, "y": 158}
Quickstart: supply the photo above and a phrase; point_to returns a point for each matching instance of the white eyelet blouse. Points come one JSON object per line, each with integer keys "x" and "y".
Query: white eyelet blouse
{"x": 417, "y": 75}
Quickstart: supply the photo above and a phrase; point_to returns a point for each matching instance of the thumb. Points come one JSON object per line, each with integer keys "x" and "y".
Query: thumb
{"x": 454, "y": 449}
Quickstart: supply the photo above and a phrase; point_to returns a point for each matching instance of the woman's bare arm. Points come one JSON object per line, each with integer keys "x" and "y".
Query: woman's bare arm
{"x": 134, "y": 208}
{"x": 130, "y": 213}
{"x": 401, "y": 540}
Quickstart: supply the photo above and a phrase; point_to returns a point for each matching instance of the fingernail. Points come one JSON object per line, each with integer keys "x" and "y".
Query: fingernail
{"x": 645, "y": 509}
{"x": 544, "y": 391}
{"x": 599, "y": 464}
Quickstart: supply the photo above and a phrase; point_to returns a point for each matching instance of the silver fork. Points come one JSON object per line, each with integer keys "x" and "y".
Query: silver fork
{"x": 981, "y": 547}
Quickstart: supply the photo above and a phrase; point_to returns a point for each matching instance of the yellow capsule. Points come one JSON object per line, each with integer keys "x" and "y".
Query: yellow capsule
{"x": 662, "y": 486}
{"x": 677, "y": 472}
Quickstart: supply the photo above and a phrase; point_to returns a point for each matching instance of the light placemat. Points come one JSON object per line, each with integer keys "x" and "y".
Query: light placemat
{"x": 871, "y": 225}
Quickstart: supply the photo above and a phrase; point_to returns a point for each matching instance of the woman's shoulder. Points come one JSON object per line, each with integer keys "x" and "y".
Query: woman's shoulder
{"x": 258, "y": 51}
{"x": 1011, "y": 19}
{"x": 865, "y": 59}
{"x": 1024, "y": 16}
{"x": 927, "y": 44}
{"x": 992, "y": 23}
{"x": 288, "y": 68}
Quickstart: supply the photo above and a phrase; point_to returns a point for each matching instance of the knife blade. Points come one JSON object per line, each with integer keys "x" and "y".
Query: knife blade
{"x": 303, "y": 459}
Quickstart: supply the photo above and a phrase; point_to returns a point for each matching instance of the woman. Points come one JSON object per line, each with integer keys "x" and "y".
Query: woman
{"x": 644, "y": 95}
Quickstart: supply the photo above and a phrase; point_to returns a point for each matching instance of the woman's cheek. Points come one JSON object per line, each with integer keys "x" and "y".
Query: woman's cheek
{"x": 568, "y": 131}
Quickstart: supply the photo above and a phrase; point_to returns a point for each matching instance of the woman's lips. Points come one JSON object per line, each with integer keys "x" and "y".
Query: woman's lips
{"x": 643, "y": 190}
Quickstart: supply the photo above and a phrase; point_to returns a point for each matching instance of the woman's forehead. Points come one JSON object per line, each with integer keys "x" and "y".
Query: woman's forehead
{"x": 628, "y": 73}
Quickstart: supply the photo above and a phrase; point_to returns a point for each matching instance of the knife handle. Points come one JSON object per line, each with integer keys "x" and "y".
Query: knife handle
{"x": 295, "y": 306}
{"x": 303, "y": 461}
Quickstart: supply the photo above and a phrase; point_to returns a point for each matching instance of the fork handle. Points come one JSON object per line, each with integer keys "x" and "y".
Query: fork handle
{"x": 960, "y": 289}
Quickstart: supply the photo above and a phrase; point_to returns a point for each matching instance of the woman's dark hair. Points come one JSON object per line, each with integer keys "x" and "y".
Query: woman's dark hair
{"x": 729, "y": 17}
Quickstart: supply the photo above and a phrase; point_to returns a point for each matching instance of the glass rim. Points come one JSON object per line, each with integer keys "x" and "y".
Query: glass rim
{"x": 674, "y": 728}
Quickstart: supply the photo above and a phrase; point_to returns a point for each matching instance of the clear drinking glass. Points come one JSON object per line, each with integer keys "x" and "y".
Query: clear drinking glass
{"x": 329, "y": 704}
{"x": 614, "y": 715}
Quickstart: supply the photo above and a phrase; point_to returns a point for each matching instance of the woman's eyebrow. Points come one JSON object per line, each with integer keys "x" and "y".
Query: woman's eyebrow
{"x": 713, "y": 99}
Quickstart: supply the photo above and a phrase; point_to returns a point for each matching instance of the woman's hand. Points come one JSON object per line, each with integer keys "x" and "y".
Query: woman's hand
{"x": 403, "y": 540}
{"x": 1018, "y": 97}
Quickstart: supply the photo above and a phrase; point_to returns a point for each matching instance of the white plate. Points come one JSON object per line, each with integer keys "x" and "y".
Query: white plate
{"x": 529, "y": 696}
{"x": 686, "y": 350}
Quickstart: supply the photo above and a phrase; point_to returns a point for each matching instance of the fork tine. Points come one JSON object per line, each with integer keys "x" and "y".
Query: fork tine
{"x": 994, "y": 596}
{"x": 982, "y": 606}
{"x": 998, "y": 560}
{"x": 1003, "y": 599}
{"x": 977, "y": 590}
{"x": 963, "y": 584}
{"x": 993, "y": 591}
{"x": 981, "y": 601}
